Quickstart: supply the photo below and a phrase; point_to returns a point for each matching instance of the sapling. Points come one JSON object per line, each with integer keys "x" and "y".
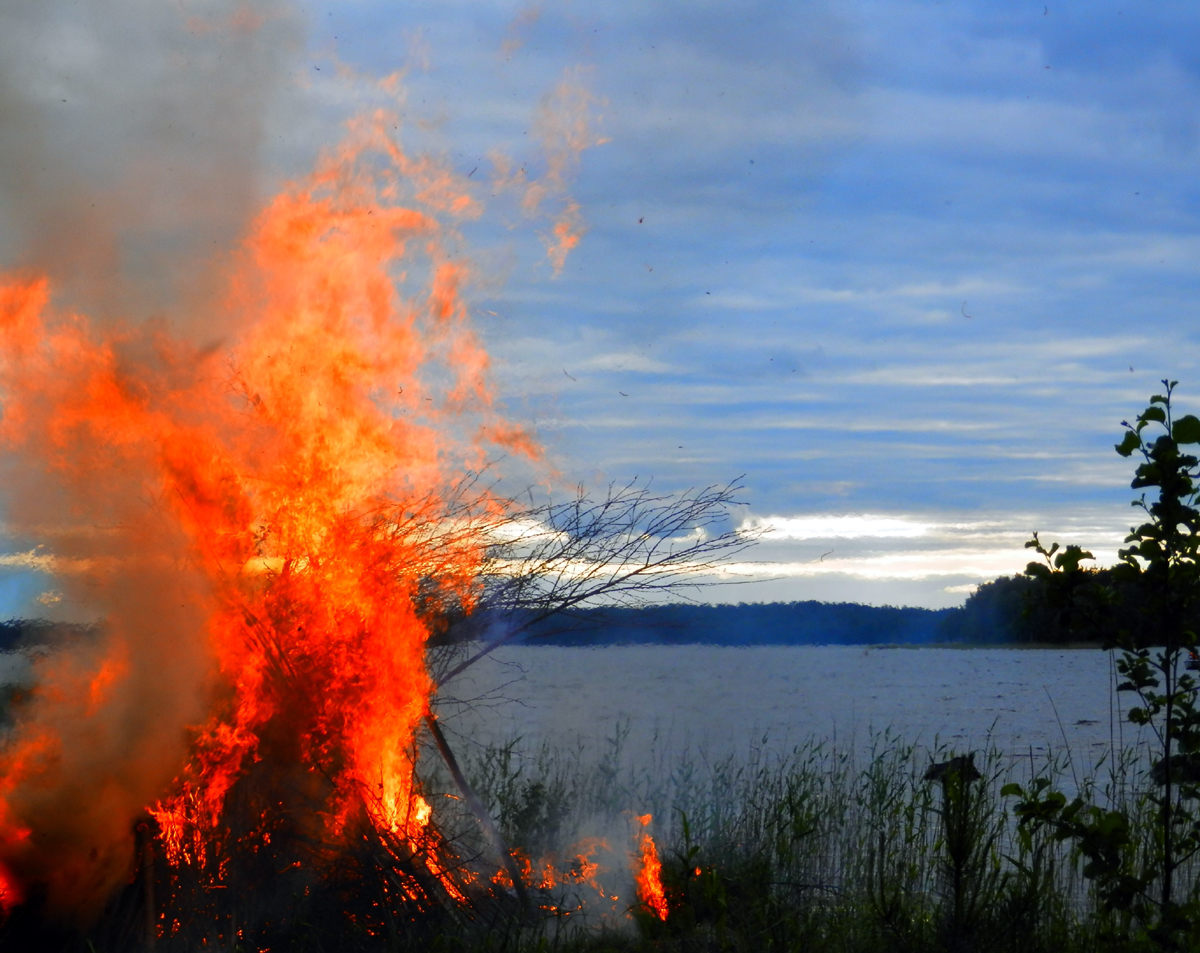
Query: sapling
{"x": 1161, "y": 565}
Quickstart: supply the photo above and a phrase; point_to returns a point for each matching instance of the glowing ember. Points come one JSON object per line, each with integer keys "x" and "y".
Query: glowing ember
{"x": 649, "y": 875}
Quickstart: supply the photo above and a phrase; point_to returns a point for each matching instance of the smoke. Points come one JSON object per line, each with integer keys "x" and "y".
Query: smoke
{"x": 104, "y": 732}
{"x": 131, "y": 142}
{"x": 131, "y": 138}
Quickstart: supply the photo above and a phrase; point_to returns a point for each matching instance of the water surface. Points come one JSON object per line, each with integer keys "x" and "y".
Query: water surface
{"x": 725, "y": 699}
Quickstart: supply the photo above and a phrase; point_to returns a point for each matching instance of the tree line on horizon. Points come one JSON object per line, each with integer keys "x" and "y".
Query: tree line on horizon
{"x": 1020, "y": 609}
{"x": 1010, "y": 609}
{"x": 1029, "y": 609}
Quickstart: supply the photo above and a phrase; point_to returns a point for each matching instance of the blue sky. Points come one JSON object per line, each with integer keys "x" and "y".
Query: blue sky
{"x": 901, "y": 266}
{"x": 913, "y": 261}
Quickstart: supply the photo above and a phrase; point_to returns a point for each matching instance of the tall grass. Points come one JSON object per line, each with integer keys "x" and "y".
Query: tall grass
{"x": 820, "y": 848}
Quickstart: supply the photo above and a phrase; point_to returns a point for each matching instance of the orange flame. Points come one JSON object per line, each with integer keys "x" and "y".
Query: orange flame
{"x": 649, "y": 876}
{"x": 564, "y": 127}
{"x": 268, "y": 524}
{"x": 546, "y": 874}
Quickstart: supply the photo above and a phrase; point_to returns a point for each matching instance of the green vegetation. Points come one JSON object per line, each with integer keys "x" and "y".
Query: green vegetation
{"x": 1022, "y": 609}
{"x": 816, "y": 850}
{"x": 1155, "y": 635}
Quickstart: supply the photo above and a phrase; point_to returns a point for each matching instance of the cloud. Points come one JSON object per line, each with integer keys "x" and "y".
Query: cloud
{"x": 630, "y": 362}
{"x": 979, "y": 564}
{"x": 964, "y": 549}
{"x": 1009, "y": 125}
{"x": 905, "y": 158}
{"x": 833, "y": 527}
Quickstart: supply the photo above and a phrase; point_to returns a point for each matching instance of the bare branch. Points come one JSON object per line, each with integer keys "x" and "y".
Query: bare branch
{"x": 623, "y": 549}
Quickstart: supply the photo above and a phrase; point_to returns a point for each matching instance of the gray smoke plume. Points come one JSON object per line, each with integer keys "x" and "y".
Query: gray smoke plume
{"x": 131, "y": 133}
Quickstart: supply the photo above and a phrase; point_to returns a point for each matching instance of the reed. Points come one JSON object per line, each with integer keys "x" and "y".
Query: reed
{"x": 818, "y": 848}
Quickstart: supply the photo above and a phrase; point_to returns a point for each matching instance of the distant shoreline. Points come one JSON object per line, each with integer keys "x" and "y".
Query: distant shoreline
{"x": 741, "y": 624}
{"x": 873, "y": 646}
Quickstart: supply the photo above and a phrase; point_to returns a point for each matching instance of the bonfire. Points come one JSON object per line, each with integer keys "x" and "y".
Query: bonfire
{"x": 277, "y": 529}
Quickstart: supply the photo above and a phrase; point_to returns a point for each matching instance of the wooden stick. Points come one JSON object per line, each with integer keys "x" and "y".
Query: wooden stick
{"x": 477, "y": 808}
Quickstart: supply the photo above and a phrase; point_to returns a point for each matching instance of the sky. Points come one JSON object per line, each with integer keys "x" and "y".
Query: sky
{"x": 898, "y": 268}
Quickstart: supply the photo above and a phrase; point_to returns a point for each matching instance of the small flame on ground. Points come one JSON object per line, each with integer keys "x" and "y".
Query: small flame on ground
{"x": 571, "y": 883}
{"x": 649, "y": 876}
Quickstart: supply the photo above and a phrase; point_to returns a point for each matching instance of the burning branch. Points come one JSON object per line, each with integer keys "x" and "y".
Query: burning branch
{"x": 476, "y": 806}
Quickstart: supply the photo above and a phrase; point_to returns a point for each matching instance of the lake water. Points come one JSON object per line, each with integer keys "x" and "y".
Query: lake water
{"x": 723, "y": 700}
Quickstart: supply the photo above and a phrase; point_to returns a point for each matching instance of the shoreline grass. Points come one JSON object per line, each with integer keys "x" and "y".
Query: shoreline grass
{"x": 815, "y": 849}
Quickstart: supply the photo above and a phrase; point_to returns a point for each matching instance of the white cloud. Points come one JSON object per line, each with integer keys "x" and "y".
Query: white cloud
{"x": 978, "y": 564}
{"x": 833, "y": 527}
{"x": 49, "y": 564}
{"x": 624, "y": 361}
{"x": 911, "y": 548}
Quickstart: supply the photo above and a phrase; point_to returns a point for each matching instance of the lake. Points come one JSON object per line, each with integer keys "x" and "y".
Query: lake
{"x": 723, "y": 700}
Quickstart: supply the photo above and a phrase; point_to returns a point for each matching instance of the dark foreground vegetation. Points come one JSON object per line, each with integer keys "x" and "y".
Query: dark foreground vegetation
{"x": 822, "y": 850}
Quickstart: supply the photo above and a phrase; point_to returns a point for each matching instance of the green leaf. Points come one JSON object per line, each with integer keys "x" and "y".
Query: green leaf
{"x": 1011, "y": 789}
{"x": 1186, "y": 430}
{"x": 1038, "y": 571}
{"x": 1153, "y": 413}
{"x": 1068, "y": 560}
{"x": 1130, "y": 443}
